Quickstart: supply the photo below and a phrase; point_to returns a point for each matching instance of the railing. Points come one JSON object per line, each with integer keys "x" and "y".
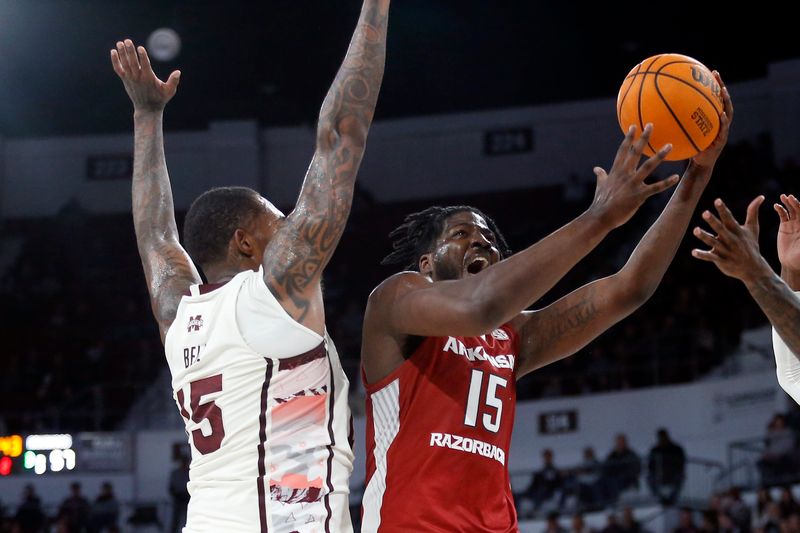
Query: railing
{"x": 700, "y": 482}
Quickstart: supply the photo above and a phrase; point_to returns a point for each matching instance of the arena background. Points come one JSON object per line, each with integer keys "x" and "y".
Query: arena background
{"x": 506, "y": 105}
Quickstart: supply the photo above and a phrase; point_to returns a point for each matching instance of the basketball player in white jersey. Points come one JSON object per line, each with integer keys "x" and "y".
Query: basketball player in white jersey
{"x": 734, "y": 249}
{"x": 256, "y": 379}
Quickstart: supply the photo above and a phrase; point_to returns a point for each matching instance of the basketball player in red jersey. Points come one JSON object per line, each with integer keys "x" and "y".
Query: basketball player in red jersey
{"x": 444, "y": 343}
{"x": 257, "y": 381}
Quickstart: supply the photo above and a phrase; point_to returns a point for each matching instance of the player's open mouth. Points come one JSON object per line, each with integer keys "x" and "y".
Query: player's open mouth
{"x": 477, "y": 264}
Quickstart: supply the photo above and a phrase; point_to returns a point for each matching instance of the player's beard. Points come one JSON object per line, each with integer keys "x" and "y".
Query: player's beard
{"x": 444, "y": 270}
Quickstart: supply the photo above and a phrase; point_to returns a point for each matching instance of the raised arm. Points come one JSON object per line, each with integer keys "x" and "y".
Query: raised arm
{"x": 167, "y": 267}
{"x": 735, "y": 251}
{"x": 294, "y": 259}
{"x": 411, "y": 304}
{"x": 571, "y": 322}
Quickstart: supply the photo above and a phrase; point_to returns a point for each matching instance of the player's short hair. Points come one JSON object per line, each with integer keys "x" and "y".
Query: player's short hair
{"x": 417, "y": 235}
{"x": 213, "y": 218}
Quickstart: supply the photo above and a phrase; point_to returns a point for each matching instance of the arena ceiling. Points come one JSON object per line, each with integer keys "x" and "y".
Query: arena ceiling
{"x": 273, "y": 59}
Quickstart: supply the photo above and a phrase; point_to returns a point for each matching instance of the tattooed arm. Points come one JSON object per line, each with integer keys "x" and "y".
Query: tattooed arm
{"x": 735, "y": 251}
{"x": 570, "y": 323}
{"x": 167, "y": 267}
{"x": 303, "y": 245}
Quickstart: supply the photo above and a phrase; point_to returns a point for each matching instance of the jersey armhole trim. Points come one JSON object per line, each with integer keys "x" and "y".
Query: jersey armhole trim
{"x": 286, "y": 316}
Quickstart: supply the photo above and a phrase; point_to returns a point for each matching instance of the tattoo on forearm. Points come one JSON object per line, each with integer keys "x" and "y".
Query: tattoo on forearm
{"x": 573, "y": 318}
{"x": 168, "y": 269}
{"x": 782, "y": 308}
{"x": 301, "y": 250}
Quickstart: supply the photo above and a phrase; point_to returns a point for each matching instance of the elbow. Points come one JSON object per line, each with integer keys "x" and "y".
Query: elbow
{"x": 487, "y": 314}
{"x": 632, "y": 293}
{"x": 342, "y": 131}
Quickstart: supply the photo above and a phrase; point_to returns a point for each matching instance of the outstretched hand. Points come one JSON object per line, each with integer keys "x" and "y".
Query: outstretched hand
{"x": 734, "y": 248}
{"x": 620, "y": 192}
{"x": 789, "y": 232}
{"x": 146, "y": 91}
{"x": 709, "y": 156}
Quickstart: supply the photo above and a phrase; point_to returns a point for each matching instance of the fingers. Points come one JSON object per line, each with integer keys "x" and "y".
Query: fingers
{"x": 130, "y": 65}
{"x": 751, "y": 220}
{"x": 782, "y": 213}
{"x": 144, "y": 59}
{"x": 638, "y": 146}
{"x": 600, "y": 173}
{"x": 661, "y": 186}
{"x": 123, "y": 59}
{"x": 726, "y": 97}
{"x": 650, "y": 165}
{"x": 792, "y": 206}
{"x": 705, "y": 255}
{"x": 706, "y": 237}
{"x": 714, "y": 222}
{"x": 115, "y": 62}
{"x": 133, "y": 58}
{"x": 625, "y": 146}
{"x": 172, "y": 81}
{"x": 725, "y": 214}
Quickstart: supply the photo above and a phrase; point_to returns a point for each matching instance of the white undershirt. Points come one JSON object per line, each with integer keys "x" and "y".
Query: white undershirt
{"x": 787, "y": 365}
{"x": 266, "y": 326}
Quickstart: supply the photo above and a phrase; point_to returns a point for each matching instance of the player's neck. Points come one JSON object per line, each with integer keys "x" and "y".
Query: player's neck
{"x": 222, "y": 273}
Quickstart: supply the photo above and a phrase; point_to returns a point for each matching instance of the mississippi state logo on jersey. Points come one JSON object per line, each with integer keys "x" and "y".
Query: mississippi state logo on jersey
{"x": 195, "y": 323}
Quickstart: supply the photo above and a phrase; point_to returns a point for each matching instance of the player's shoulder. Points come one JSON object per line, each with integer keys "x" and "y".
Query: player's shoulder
{"x": 398, "y": 284}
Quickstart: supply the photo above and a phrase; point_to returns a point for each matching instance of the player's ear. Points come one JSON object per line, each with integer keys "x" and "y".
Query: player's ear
{"x": 243, "y": 242}
{"x": 426, "y": 264}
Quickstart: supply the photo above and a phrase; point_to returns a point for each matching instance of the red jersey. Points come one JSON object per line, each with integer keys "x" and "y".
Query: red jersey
{"x": 438, "y": 437}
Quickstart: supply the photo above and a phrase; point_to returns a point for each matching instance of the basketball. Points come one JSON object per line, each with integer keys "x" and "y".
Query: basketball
{"x": 679, "y": 96}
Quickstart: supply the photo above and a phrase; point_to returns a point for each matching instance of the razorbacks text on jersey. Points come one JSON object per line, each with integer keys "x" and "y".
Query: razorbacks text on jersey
{"x": 438, "y": 436}
{"x": 269, "y": 426}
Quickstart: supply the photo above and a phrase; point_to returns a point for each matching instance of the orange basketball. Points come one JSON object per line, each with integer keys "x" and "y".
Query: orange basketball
{"x": 679, "y": 96}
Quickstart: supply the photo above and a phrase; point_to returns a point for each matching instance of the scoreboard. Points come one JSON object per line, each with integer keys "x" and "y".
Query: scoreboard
{"x": 58, "y": 453}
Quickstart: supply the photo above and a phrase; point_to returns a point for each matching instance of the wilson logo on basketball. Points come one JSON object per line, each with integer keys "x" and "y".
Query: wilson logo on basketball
{"x": 195, "y": 323}
{"x": 706, "y": 81}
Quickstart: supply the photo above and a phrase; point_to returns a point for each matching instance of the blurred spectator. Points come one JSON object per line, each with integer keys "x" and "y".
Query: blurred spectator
{"x": 787, "y": 502}
{"x": 621, "y": 469}
{"x": 710, "y": 522}
{"x": 770, "y": 521}
{"x": 552, "y": 525}
{"x": 612, "y": 526}
{"x": 777, "y": 462}
{"x": 629, "y": 522}
{"x": 29, "y": 517}
{"x": 104, "y": 514}
{"x": 738, "y": 511}
{"x": 666, "y": 469}
{"x": 547, "y": 483}
{"x": 579, "y": 525}
{"x": 791, "y": 524}
{"x": 686, "y": 522}
{"x": 763, "y": 499}
{"x": 73, "y": 514}
{"x": 587, "y": 480}
{"x": 179, "y": 493}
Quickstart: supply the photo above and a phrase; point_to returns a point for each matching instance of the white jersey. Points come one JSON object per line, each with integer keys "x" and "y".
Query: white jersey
{"x": 787, "y": 365}
{"x": 269, "y": 427}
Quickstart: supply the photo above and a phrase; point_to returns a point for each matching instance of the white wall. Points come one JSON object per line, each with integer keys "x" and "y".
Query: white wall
{"x": 406, "y": 159}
